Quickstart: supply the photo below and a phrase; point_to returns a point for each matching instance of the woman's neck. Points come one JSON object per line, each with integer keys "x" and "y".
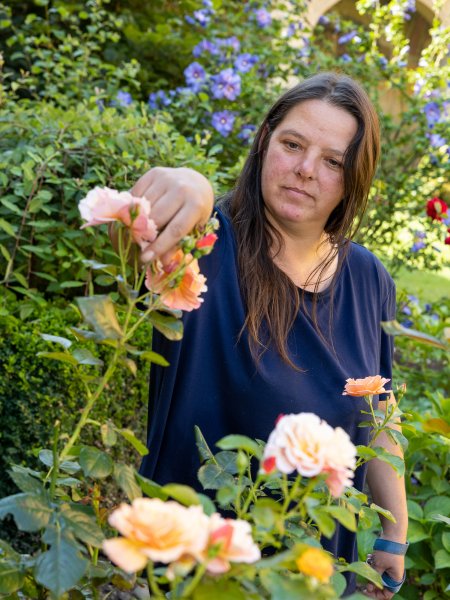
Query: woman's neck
{"x": 302, "y": 259}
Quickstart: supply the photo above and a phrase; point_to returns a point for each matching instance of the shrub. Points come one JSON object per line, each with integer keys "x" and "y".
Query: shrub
{"x": 49, "y": 158}
{"x": 36, "y": 391}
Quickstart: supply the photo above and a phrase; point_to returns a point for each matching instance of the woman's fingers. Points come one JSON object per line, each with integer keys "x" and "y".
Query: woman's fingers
{"x": 180, "y": 199}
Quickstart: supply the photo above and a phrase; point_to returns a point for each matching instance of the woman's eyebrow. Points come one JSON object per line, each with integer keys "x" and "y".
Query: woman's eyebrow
{"x": 302, "y": 138}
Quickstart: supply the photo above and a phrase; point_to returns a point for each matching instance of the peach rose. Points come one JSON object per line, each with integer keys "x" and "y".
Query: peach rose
{"x": 156, "y": 530}
{"x": 182, "y": 294}
{"x": 317, "y": 563}
{"x": 105, "y": 205}
{"x": 365, "y": 387}
{"x": 308, "y": 445}
{"x": 232, "y": 538}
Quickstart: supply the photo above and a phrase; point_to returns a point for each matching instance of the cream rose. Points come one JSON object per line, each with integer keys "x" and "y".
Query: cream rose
{"x": 158, "y": 531}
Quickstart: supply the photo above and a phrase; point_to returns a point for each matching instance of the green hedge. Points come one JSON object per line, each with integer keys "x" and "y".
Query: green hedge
{"x": 36, "y": 391}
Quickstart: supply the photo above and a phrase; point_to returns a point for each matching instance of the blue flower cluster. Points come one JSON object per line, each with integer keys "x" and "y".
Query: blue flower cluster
{"x": 419, "y": 241}
{"x": 229, "y": 64}
{"x": 435, "y": 114}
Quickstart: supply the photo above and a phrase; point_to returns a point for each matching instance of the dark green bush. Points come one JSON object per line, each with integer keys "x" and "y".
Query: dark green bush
{"x": 37, "y": 391}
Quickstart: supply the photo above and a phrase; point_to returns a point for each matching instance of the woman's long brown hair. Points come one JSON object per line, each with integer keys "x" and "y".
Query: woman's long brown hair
{"x": 272, "y": 300}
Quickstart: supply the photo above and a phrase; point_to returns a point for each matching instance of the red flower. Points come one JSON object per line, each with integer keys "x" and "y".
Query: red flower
{"x": 207, "y": 241}
{"x": 436, "y": 209}
{"x": 447, "y": 240}
{"x": 269, "y": 464}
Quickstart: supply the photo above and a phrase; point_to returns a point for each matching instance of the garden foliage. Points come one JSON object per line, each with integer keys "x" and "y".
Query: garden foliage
{"x": 88, "y": 97}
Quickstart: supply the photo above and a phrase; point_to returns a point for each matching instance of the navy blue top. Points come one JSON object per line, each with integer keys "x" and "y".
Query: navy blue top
{"x": 212, "y": 380}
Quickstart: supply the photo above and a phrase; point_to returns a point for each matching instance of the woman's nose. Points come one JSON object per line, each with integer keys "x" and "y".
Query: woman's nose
{"x": 306, "y": 166}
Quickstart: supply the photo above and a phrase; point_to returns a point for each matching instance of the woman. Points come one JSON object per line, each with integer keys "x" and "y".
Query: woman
{"x": 293, "y": 308}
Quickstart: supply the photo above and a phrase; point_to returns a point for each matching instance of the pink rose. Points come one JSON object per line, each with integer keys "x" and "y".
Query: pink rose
{"x": 308, "y": 445}
{"x": 232, "y": 539}
{"x": 158, "y": 531}
{"x": 105, "y": 205}
{"x": 182, "y": 294}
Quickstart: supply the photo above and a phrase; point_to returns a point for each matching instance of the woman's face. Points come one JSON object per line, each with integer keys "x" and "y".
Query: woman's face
{"x": 302, "y": 175}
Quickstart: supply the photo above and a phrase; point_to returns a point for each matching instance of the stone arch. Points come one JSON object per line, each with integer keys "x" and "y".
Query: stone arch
{"x": 425, "y": 8}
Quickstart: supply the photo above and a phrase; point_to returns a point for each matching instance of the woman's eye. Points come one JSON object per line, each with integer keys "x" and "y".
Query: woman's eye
{"x": 292, "y": 145}
{"x": 334, "y": 163}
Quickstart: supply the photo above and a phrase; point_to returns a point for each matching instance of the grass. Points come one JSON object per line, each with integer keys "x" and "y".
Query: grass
{"x": 428, "y": 286}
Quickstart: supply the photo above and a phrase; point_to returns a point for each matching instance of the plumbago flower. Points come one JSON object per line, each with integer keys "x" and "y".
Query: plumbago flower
{"x": 106, "y": 205}
{"x": 307, "y": 444}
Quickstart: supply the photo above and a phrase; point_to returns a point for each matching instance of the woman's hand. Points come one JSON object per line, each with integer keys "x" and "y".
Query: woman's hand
{"x": 181, "y": 199}
{"x": 381, "y": 562}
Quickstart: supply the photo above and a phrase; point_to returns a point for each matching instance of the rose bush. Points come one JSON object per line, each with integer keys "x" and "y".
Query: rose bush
{"x": 202, "y": 551}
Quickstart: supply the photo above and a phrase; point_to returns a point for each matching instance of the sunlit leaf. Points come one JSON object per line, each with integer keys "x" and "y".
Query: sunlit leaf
{"x": 125, "y": 477}
{"x": 169, "y": 326}
{"x": 235, "y": 442}
{"x": 133, "y": 440}
{"x": 57, "y": 339}
{"x": 95, "y": 463}
{"x": 99, "y": 312}
{"x": 182, "y": 493}
{"x": 394, "y": 328}
{"x": 31, "y": 512}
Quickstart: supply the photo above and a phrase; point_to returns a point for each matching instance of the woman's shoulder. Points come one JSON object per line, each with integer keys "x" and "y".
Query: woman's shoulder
{"x": 365, "y": 264}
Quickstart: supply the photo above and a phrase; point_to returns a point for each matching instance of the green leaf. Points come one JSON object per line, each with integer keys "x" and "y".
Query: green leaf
{"x": 438, "y": 505}
{"x": 227, "y": 460}
{"x": 60, "y": 568}
{"x": 202, "y": 446}
{"x": 446, "y": 540}
{"x": 61, "y": 356}
{"x": 212, "y": 477}
{"x": 182, "y": 493}
{"x": 169, "y": 326}
{"x": 57, "y": 339}
{"x": 397, "y": 463}
{"x": 108, "y": 433}
{"x": 366, "y": 452}
{"x": 415, "y": 511}
{"x": 99, "y": 312}
{"x": 7, "y": 228}
{"x": 83, "y": 356}
{"x": 364, "y": 570}
{"x": 208, "y": 505}
{"x": 437, "y": 426}
{"x": 242, "y": 442}
{"x": 12, "y": 576}
{"x": 154, "y": 357}
{"x": 219, "y": 589}
{"x": 125, "y": 477}
{"x": 339, "y": 584}
{"x": 343, "y": 515}
{"x": 133, "y": 440}
{"x": 442, "y": 559}
{"x": 416, "y": 532}
{"x": 394, "y": 328}
{"x": 31, "y": 512}
{"x": 323, "y": 521}
{"x": 95, "y": 463}
{"x": 382, "y": 511}
{"x": 150, "y": 488}
{"x": 25, "y": 480}
{"x": 82, "y": 525}
{"x": 68, "y": 466}
{"x": 283, "y": 588}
